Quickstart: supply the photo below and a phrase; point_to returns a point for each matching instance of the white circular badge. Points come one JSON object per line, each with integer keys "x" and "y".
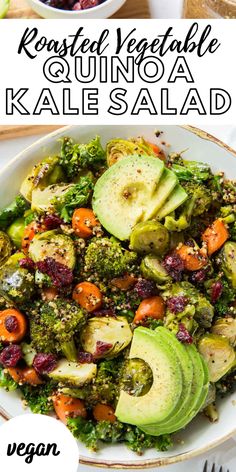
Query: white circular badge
{"x": 37, "y": 443}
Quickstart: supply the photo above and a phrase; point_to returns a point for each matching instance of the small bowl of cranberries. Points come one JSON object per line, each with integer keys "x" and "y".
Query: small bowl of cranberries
{"x": 72, "y": 9}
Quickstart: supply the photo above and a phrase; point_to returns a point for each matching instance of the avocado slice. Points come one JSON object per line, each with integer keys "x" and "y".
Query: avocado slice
{"x": 194, "y": 401}
{"x": 72, "y": 373}
{"x": 161, "y": 400}
{"x": 53, "y": 244}
{"x": 125, "y": 191}
{"x": 166, "y": 185}
{"x": 176, "y": 198}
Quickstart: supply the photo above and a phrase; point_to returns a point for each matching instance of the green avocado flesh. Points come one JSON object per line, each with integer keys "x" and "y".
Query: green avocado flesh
{"x": 190, "y": 396}
{"x": 176, "y": 198}
{"x": 165, "y": 392}
{"x": 131, "y": 191}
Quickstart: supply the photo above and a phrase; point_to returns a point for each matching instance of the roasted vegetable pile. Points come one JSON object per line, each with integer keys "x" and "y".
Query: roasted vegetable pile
{"x": 104, "y": 250}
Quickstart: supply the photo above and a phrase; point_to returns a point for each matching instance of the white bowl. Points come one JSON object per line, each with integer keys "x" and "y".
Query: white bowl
{"x": 200, "y": 435}
{"x": 105, "y": 10}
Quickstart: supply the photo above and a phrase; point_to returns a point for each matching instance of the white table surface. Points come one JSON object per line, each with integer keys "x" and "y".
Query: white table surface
{"x": 165, "y": 8}
{"x": 226, "y": 453}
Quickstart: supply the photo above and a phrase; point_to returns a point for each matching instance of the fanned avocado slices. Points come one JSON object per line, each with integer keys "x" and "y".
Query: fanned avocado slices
{"x": 131, "y": 191}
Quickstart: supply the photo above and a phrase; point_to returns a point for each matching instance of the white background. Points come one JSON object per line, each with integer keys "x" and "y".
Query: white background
{"x": 165, "y": 8}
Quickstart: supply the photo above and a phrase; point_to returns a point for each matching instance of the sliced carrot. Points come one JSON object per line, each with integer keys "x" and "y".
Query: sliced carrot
{"x": 26, "y": 375}
{"x": 83, "y": 222}
{"x": 13, "y": 325}
{"x": 30, "y": 376}
{"x": 153, "y": 307}
{"x": 88, "y": 296}
{"x": 192, "y": 257}
{"x": 49, "y": 293}
{"x": 125, "y": 282}
{"x": 157, "y": 150}
{"x": 67, "y": 407}
{"x": 29, "y": 233}
{"x": 103, "y": 412}
{"x": 16, "y": 374}
{"x": 215, "y": 236}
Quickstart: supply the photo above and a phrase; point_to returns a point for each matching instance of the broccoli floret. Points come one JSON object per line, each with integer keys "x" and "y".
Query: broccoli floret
{"x": 53, "y": 326}
{"x": 13, "y": 211}
{"x": 77, "y": 157}
{"x": 107, "y": 258}
{"x": 199, "y": 202}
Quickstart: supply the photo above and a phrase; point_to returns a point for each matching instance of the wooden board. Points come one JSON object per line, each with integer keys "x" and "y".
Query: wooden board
{"x": 14, "y": 132}
{"x": 131, "y": 9}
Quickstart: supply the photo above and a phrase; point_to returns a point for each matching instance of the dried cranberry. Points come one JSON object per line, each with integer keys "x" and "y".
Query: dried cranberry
{"x": 85, "y": 357}
{"x": 44, "y": 363}
{"x": 145, "y": 288}
{"x": 174, "y": 266}
{"x": 11, "y": 323}
{"x": 101, "y": 348}
{"x": 183, "y": 335}
{"x": 27, "y": 263}
{"x": 60, "y": 274}
{"x": 216, "y": 291}
{"x": 198, "y": 277}
{"x": 10, "y": 355}
{"x": 52, "y": 221}
{"x": 88, "y": 4}
{"x": 177, "y": 304}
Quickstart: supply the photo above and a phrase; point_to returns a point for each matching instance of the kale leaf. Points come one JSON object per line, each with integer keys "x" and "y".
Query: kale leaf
{"x": 6, "y": 381}
{"x": 39, "y": 400}
{"x": 75, "y": 197}
{"x": 13, "y": 211}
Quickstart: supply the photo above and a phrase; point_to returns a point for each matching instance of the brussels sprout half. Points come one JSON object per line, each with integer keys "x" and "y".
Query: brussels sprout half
{"x": 218, "y": 354}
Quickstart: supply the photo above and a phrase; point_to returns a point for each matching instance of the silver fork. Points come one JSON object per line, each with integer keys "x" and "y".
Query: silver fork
{"x": 214, "y": 468}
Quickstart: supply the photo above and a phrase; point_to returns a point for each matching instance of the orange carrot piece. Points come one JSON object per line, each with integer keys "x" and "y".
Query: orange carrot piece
{"x": 83, "y": 222}
{"x": 192, "y": 257}
{"x": 153, "y": 307}
{"x": 103, "y": 412}
{"x": 26, "y": 375}
{"x": 88, "y": 296}
{"x": 49, "y": 293}
{"x": 9, "y": 319}
{"x": 215, "y": 236}
{"x": 29, "y": 233}
{"x": 67, "y": 407}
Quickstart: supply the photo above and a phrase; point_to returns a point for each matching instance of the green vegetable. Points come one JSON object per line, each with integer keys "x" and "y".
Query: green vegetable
{"x": 197, "y": 311}
{"x": 119, "y": 148}
{"x": 149, "y": 237}
{"x": 76, "y": 157}
{"x": 226, "y": 327}
{"x": 218, "y": 354}
{"x": 43, "y": 174}
{"x": 28, "y": 352}
{"x": 151, "y": 268}
{"x": 90, "y": 433}
{"x": 6, "y": 381}
{"x": 73, "y": 373}
{"x": 227, "y": 297}
{"x": 53, "y": 326}
{"x": 39, "y": 399}
{"x": 16, "y": 283}
{"x": 136, "y": 377}
{"x": 228, "y": 261}
{"x": 5, "y": 247}
{"x": 198, "y": 202}
{"x": 77, "y": 196}
{"x": 115, "y": 332}
{"x": 15, "y": 232}
{"x": 13, "y": 211}
{"x": 191, "y": 170}
{"x": 53, "y": 244}
{"x": 107, "y": 258}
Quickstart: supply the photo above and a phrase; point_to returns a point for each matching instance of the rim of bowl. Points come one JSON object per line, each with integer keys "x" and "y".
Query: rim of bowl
{"x": 158, "y": 462}
{"x": 71, "y": 12}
